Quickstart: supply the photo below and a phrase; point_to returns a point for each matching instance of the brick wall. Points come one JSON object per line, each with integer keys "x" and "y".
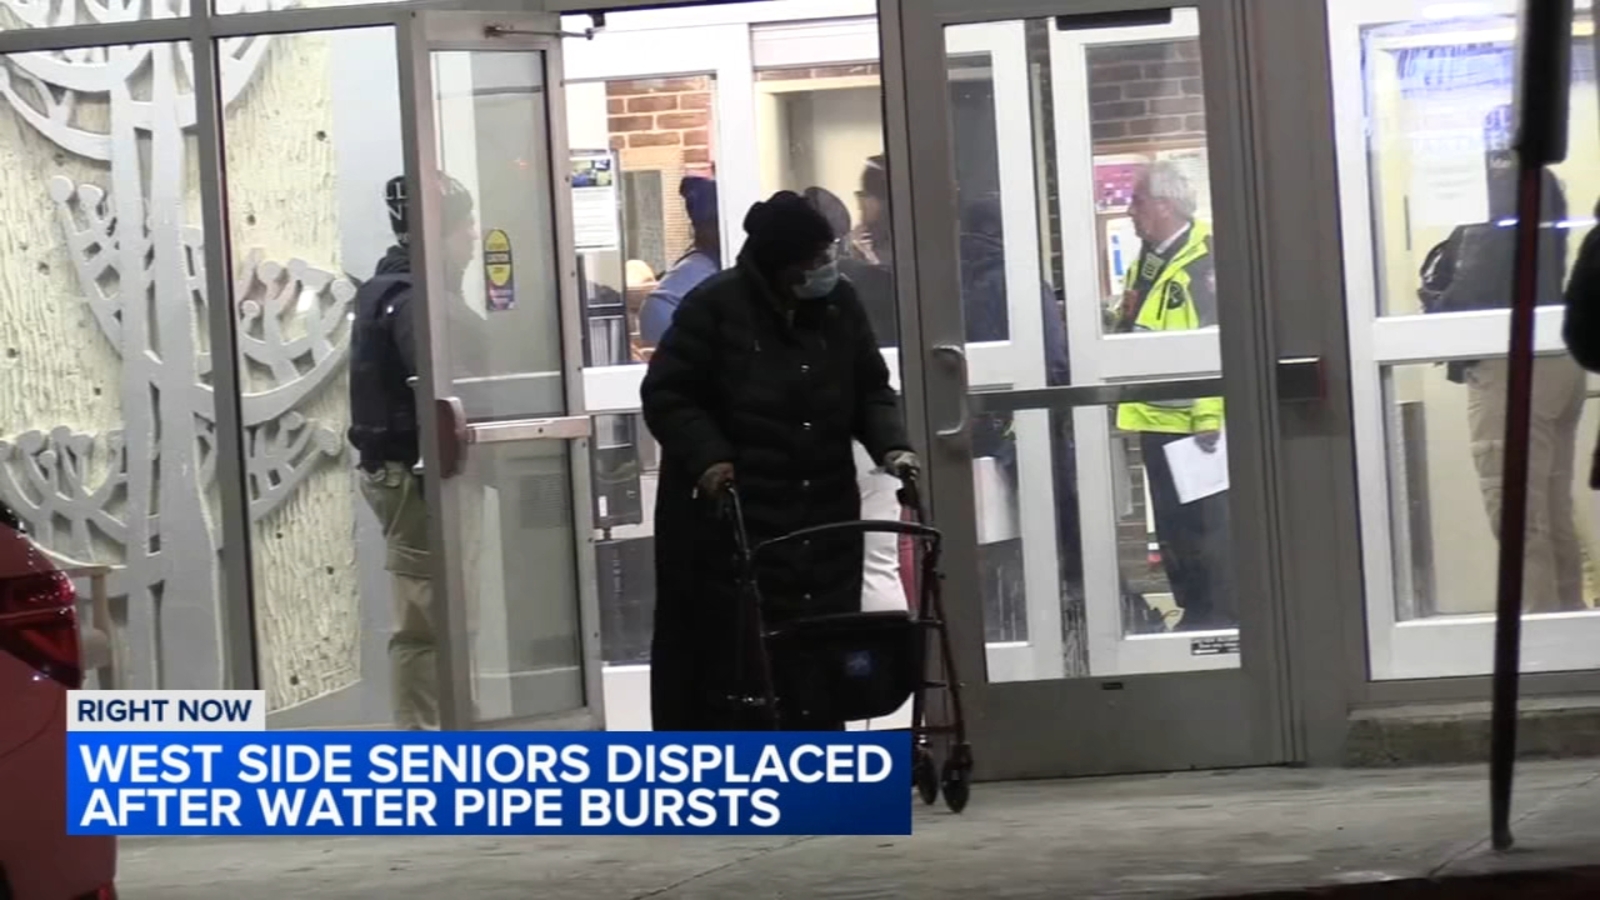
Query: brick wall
{"x": 662, "y": 112}
{"x": 1146, "y": 94}
{"x": 664, "y": 125}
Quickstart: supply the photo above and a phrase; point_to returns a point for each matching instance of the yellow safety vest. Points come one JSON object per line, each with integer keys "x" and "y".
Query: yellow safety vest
{"x": 1169, "y": 306}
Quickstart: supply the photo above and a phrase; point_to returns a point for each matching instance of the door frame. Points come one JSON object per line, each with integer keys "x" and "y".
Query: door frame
{"x": 1143, "y": 722}
{"x": 735, "y": 43}
{"x": 419, "y": 35}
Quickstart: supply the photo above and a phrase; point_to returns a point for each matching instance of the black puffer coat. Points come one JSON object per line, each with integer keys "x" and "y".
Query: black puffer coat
{"x": 780, "y": 395}
{"x": 1581, "y": 330}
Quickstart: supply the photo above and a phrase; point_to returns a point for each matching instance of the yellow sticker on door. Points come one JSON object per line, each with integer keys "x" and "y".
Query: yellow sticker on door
{"x": 497, "y": 266}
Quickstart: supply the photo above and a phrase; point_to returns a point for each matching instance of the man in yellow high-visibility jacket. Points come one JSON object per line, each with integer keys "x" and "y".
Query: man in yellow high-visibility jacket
{"x": 1173, "y": 287}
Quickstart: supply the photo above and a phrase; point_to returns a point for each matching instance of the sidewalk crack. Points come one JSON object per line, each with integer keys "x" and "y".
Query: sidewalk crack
{"x": 767, "y": 851}
{"x": 1475, "y": 846}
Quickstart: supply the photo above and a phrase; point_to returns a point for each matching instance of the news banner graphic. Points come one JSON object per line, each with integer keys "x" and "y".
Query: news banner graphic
{"x": 203, "y": 763}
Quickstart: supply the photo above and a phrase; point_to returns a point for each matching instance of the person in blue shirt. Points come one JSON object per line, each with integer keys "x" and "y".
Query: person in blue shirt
{"x": 703, "y": 260}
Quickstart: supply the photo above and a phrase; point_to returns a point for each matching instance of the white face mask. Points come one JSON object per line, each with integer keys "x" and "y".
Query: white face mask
{"x": 819, "y": 282}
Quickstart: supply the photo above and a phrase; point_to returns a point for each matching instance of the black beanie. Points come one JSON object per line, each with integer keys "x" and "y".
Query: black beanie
{"x": 456, "y": 209}
{"x": 832, "y": 209}
{"x": 785, "y": 230}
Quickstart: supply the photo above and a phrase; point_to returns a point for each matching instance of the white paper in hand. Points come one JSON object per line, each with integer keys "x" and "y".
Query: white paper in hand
{"x": 1195, "y": 473}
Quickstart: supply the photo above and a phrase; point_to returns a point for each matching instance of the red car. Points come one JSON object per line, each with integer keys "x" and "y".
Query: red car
{"x": 41, "y": 658}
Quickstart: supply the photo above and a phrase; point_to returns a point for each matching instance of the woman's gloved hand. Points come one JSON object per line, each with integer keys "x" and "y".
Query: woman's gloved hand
{"x": 902, "y": 464}
{"x": 715, "y": 480}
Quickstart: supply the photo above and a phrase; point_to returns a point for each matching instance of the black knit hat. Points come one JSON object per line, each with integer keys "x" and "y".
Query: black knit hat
{"x": 832, "y": 209}
{"x": 785, "y": 230}
{"x": 699, "y": 200}
{"x": 457, "y": 208}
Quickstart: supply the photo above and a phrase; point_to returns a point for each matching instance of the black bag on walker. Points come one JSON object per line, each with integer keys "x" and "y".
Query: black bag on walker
{"x": 846, "y": 667}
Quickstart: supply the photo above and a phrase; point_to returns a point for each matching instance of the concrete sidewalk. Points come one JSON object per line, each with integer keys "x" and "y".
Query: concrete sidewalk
{"x": 1182, "y": 836}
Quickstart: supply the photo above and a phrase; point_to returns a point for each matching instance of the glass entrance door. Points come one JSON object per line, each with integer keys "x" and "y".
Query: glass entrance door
{"x": 505, "y": 463}
{"x": 1094, "y": 380}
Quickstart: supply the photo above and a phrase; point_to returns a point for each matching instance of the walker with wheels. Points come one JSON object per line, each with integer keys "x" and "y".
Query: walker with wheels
{"x": 847, "y": 667}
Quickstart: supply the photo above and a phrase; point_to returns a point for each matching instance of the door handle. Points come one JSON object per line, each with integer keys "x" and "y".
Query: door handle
{"x": 957, "y": 355}
{"x": 558, "y": 428}
{"x": 451, "y": 420}
{"x": 1302, "y": 379}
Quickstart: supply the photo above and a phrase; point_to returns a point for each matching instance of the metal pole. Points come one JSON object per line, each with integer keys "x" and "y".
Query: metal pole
{"x": 1542, "y": 70}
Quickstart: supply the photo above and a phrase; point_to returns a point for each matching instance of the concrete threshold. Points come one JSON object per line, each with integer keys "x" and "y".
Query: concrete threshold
{"x": 1434, "y": 734}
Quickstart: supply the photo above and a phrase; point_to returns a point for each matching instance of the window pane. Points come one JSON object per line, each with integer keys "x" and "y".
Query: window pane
{"x": 1445, "y": 427}
{"x": 308, "y": 223}
{"x": 665, "y": 228}
{"x": 820, "y": 129}
{"x": 661, "y": 130}
{"x": 819, "y": 132}
{"x": 1425, "y": 128}
{"x": 107, "y": 428}
{"x": 1439, "y": 97}
{"x": 1097, "y": 557}
{"x": 625, "y": 474}
{"x": 647, "y": 238}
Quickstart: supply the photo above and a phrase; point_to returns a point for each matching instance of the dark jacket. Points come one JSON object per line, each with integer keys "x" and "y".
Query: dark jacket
{"x": 874, "y": 286}
{"x": 1581, "y": 328}
{"x": 1473, "y": 269}
{"x": 781, "y": 396}
{"x": 983, "y": 301}
{"x": 383, "y": 355}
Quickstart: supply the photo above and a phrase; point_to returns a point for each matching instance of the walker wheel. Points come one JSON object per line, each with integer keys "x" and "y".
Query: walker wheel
{"x": 924, "y": 774}
{"x": 957, "y": 779}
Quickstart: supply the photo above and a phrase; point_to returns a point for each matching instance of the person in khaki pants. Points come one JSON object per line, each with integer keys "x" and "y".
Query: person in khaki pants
{"x": 384, "y": 432}
{"x": 1473, "y": 270}
{"x": 395, "y": 495}
{"x": 1553, "y": 573}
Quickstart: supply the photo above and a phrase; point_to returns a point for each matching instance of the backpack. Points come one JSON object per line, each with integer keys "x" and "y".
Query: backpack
{"x": 1438, "y": 270}
{"x": 1439, "y": 273}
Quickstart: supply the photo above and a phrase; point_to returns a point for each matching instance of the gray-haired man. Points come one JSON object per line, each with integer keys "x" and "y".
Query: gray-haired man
{"x": 1172, "y": 287}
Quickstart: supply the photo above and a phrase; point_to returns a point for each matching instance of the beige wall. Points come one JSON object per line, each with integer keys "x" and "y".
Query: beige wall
{"x": 817, "y": 127}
